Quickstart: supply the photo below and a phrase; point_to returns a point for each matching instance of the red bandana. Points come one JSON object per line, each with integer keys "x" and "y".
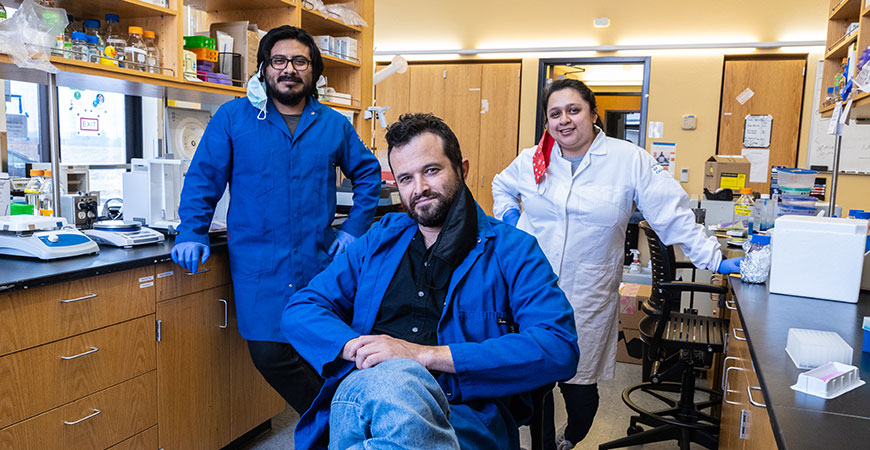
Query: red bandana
{"x": 542, "y": 156}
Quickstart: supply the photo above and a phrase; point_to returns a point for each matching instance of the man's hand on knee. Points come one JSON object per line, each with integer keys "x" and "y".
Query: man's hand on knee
{"x": 369, "y": 351}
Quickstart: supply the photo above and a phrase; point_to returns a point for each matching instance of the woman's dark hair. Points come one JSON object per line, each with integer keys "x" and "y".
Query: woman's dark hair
{"x": 578, "y": 86}
{"x": 283, "y": 32}
{"x": 410, "y": 126}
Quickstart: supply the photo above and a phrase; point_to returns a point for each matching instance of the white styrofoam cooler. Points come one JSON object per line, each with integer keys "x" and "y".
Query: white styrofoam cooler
{"x": 818, "y": 257}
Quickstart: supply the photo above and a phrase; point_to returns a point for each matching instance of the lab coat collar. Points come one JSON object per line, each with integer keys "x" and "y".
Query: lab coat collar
{"x": 598, "y": 147}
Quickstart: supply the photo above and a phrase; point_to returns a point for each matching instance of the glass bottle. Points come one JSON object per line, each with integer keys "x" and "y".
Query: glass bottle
{"x": 743, "y": 207}
{"x": 114, "y": 38}
{"x": 135, "y": 52}
{"x": 93, "y": 49}
{"x": 152, "y": 57}
{"x": 756, "y": 265}
{"x": 79, "y": 48}
{"x": 31, "y": 189}
{"x": 46, "y": 192}
{"x": 92, "y": 28}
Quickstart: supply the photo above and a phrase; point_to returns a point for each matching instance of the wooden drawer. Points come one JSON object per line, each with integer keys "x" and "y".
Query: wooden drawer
{"x": 124, "y": 410}
{"x": 146, "y": 440}
{"x": 33, "y": 317}
{"x": 174, "y": 281}
{"x": 38, "y": 379}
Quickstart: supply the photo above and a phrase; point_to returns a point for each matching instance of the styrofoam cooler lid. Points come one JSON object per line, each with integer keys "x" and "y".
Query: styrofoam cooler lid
{"x": 820, "y": 224}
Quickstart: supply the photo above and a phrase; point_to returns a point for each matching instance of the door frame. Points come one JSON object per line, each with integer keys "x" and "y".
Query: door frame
{"x": 766, "y": 57}
{"x": 542, "y": 83}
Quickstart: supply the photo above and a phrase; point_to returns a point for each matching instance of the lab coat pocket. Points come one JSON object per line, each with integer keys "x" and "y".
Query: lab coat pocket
{"x": 501, "y": 322}
{"x": 603, "y": 206}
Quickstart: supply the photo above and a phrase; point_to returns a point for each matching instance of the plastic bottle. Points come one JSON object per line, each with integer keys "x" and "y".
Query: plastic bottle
{"x": 79, "y": 48}
{"x": 135, "y": 53}
{"x": 94, "y": 50}
{"x": 152, "y": 57}
{"x": 756, "y": 265}
{"x": 31, "y": 190}
{"x": 829, "y": 99}
{"x": 635, "y": 261}
{"x": 45, "y": 195}
{"x": 743, "y": 207}
{"x": 2, "y": 13}
{"x": 114, "y": 38}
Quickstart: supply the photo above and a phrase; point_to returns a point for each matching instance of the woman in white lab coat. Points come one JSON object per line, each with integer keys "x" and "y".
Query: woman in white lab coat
{"x": 576, "y": 191}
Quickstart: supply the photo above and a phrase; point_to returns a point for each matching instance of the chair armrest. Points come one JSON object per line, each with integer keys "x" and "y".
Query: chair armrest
{"x": 676, "y": 287}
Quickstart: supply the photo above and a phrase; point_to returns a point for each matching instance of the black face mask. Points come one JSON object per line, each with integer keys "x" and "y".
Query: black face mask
{"x": 457, "y": 237}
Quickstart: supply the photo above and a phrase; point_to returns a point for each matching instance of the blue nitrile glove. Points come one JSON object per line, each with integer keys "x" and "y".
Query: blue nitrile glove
{"x": 730, "y": 265}
{"x": 339, "y": 245}
{"x": 511, "y": 216}
{"x": 190, "y": 254}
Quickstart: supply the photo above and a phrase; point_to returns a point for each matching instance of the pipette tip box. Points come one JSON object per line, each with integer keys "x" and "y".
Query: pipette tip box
{"x": 809, "y": 349}
{"x": 829, "y": 380}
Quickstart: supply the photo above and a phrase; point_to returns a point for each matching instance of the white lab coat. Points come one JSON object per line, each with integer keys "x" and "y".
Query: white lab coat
{"x": 580, "y": 222}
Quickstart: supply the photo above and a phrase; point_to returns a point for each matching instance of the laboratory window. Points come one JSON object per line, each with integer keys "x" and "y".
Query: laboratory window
{"x": 23, "y": 109}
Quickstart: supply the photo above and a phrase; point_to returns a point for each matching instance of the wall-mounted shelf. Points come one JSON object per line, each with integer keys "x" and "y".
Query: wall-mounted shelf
{"x": 124, "y": 8}
{"x": 247, "y": 5}
{"x": 317, "y": 23}
{"x": 847, "y": 9}
{"x": 842, "y": 48}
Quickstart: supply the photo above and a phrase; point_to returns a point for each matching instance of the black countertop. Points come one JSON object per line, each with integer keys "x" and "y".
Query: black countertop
{"x": 800, "y": 420}
{"x": 22, "y": 273}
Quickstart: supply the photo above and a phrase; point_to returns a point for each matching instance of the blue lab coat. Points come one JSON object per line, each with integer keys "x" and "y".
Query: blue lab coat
{"x": 506, "y": 274}
{"x": 282, "y": 201}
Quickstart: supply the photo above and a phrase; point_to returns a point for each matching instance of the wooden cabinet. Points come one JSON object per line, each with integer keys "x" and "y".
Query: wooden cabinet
{"x": 745, "y": 423}
{"x": 840, "y": 44}
{"x": 209, "y": 391}
{"x": 480, "y": 103}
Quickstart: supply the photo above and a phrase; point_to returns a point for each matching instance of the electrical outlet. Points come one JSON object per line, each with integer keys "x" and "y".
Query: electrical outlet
{"x": 684, "y": 175}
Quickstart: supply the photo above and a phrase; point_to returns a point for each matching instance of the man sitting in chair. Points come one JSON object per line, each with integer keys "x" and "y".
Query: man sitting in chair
{"x": 431, "y": 329}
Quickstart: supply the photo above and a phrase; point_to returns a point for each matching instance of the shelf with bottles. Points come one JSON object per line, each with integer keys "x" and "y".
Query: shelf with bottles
{"x": 841, "y": 48}
{"x": 124, "y": 8}
{"x": 236, "y": 5}
{"x": 330, "y": 61}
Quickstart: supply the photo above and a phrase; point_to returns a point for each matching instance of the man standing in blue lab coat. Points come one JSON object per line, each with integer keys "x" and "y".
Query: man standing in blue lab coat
{"x": 277, "y": 149}
{"x": 431, "y": 329}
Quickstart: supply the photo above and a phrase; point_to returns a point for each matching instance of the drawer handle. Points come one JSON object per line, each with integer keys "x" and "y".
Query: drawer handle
{"x": 92, "y": 350}
{"x": 226, "y": 315}
{"x": 96, "y": 412}
{"x": 725, "y": 370}
{"x": 203, "y": 270}
{"x": 734, "y": 331}
{"x": 749, "y": 390}
{"x": 726, "y": 390}
{"x": 91, "y": 295}
{"x": 732, "y": 306}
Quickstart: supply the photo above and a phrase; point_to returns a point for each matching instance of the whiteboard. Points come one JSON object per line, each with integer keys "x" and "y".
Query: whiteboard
{"x": 855, "y": 147}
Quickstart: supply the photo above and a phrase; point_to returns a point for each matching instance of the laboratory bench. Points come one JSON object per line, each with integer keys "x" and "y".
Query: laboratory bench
{"x": 125, "y": 349}
{"x": 760, "y": 409}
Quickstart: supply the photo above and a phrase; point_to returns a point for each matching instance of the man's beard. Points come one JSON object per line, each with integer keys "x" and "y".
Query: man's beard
{"x": 290, "y": 98}
{"x": 435, "y": 213}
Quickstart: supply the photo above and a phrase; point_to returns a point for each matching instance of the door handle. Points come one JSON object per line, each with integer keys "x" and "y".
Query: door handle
{"x": 226, "y": 313}
{"x": 725, "y": 368}
{"x": 92, "y": 350}
{"x": 732, "y": 302}
{"x": 734, "y": 332}
{"x": 95, "y": 413}
{"x": 203, "y": 270}
{"x": 749, "y": 390}
{"x": 72, "y": 300}
{"x": 726, "y": 390}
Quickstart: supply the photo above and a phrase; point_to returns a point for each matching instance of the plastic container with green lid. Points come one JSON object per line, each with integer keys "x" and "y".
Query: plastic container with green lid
{"x": 199, "y": 42}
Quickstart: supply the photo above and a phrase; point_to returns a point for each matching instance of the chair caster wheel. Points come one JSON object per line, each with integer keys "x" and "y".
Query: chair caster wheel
{"x": 633, "y": 429}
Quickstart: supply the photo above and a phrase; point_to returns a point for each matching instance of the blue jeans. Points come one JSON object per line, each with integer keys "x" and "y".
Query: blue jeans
{"x": 394, "y": 405}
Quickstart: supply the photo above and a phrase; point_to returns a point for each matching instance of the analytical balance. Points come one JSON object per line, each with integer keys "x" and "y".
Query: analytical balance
{"x": 119, "y": 233}
{"x": 42, "y": 237}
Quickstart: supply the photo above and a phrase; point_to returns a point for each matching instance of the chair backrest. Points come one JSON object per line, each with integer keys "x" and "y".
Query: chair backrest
{"x": 662, "y": 260}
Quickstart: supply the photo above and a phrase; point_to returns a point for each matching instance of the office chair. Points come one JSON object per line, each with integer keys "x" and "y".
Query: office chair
{"x": 677, "y": 343}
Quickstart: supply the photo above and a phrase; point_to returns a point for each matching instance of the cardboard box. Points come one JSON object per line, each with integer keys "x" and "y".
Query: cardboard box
{"x": 246, "y": 42}
{"x": 629, "y": 341}
{"x": 726, "y": 172}
{"x": 630, "y": 298}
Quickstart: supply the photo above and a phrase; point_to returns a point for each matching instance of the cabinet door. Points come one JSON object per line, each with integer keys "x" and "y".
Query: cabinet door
{"x": 499, "y": 125}
{"x": 462, "y": 114}
{"x": 192, "y": 360}
{"x": 252, "y": 400}
{"x": 427, "y": 89}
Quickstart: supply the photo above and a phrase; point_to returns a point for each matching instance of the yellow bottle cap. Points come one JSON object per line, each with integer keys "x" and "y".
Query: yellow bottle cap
{"x": 148, "y": 34}
{"x": 36, "y": 172}
{"x": 47, "y": 173}
{"x": 746, "y": 191}
{"x": 135, "y": 30}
